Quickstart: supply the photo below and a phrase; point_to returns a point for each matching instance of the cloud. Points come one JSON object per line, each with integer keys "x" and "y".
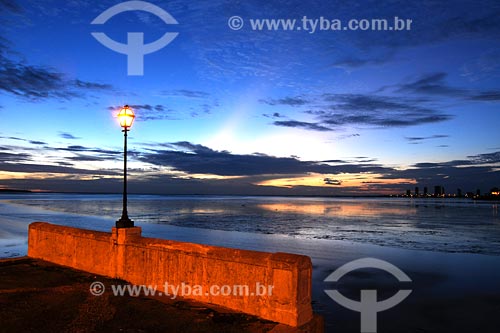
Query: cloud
{"x": 202, "y": 103}
{"x": 333, "y": 111}
{"x": 487, "y": 96}
{"x": 35, "y": 142}
{"x": 27, "y": 159}
{"x": 330, "y": 181}
{"x": 434, "y": 84}
{"x": 36, "y": 82}
{"x": 274, "y": 115}
{"x": 347, "y": 136}
{"x": 186, "y": 93}
{"x": 11, "y": 6}
{"x": 91, "y": 85}
{"x": 290, "y": 101}
{"x": 12, "y": 138}
{"x": 68, "y": 136}
{"x": 423, "y": 138}
{"x": 302, "y": 124}
{"x": 485, "y": 158}
{"x": 9, "y": 157}
{"x": 78, "y": 148}
{"x": 41, "y": 168}
{"x": 148, "y": 112}
{"x": 198, "y": 159}
{"x": 474, "y": 171}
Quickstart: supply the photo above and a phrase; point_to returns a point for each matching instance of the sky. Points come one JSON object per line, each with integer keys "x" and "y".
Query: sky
{"x": 228, "y": 108}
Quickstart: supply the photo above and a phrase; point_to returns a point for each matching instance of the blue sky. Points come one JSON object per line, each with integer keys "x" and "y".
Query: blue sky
{"x": 252, "y": 112}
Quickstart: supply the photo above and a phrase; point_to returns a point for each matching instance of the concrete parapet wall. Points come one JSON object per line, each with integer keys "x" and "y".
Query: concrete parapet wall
{"x": 125, "y": 254}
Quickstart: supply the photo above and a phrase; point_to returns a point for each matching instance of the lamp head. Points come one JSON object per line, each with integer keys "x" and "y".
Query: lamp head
{"x": 126, "y": 117}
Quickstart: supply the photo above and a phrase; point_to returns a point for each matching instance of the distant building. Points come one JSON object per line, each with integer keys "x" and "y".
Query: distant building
{"x": 437, "y": 191}
{"x": 408, "y": 193}
{"x": 416, "y": 191}
{"x": 459, "y": 192}
{"x": 478, "y": 192}
{"x": 425, "y": 191}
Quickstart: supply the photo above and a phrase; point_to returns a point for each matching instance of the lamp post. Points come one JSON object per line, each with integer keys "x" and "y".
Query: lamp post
{"x": 126, "y": 117}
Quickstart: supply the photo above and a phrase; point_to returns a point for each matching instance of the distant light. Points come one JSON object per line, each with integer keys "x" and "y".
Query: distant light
{"x": 126, "y": 117}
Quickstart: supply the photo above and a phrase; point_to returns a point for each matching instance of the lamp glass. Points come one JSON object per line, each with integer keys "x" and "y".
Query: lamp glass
{"x": 126, "y": 117}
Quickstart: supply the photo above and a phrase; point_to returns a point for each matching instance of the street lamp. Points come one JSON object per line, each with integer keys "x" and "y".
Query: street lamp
{"x": 126, "y": 117}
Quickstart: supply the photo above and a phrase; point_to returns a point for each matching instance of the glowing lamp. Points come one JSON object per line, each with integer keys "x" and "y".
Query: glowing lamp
{"x": 126, "y": 117}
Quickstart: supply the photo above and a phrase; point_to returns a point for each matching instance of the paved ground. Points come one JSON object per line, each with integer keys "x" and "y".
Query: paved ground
{"x": 37, "y": 296}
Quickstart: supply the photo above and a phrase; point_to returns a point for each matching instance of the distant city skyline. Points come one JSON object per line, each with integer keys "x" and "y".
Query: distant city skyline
{"x": 229, "y": 110}
{"x": 440, "y": 191}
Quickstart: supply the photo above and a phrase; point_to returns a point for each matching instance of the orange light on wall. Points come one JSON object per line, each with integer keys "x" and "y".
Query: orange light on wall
{"x": 126, "y": 117}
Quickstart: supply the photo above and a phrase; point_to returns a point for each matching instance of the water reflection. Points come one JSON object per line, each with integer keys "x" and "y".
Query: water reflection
{"x": 346, "y": 209}
{"x": 443, "y": 225}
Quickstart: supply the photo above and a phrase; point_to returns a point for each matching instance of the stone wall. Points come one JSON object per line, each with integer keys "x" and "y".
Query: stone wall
{"x": 125, "y": 254}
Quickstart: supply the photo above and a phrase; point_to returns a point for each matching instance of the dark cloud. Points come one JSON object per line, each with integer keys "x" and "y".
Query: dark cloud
{"x": 12, "y": 138}
{"x": 488, "y": 96}
{"x": 290, "y": 101}
{"x": 378, "y": 111}
{"x": 334, "y": 111}
{"x": 86, "y": 158}
{"x": 68, "y": 136}
{"x": 186, "y": 93}
{"x": 41, "y": 168}
{"x": 473, "y": 160}
{"x": 91, "y": 85}
{"x": 36, "y": 82}
{"x": 9, "y": 5}
{"x": 274, "y": 115}
{"x": 194, "y": 158}
{"x": 347, "y": 136}
{"x": 78, "y": 148}
{"x": 435, "y": 85}
{"x": 9, "y": 157}
{"x": 34, "y": 142}
{"x": 16, "y": 159}
{"x": 302, "y": 124}
{"x": 432, "y": 84}
{"x": 423, "y": 138}
{"x": 485, "y": 158}
{"x": 148, "y": 107}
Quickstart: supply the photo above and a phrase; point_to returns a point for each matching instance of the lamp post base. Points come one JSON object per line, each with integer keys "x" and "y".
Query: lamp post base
{"x": 124, "y": 222}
